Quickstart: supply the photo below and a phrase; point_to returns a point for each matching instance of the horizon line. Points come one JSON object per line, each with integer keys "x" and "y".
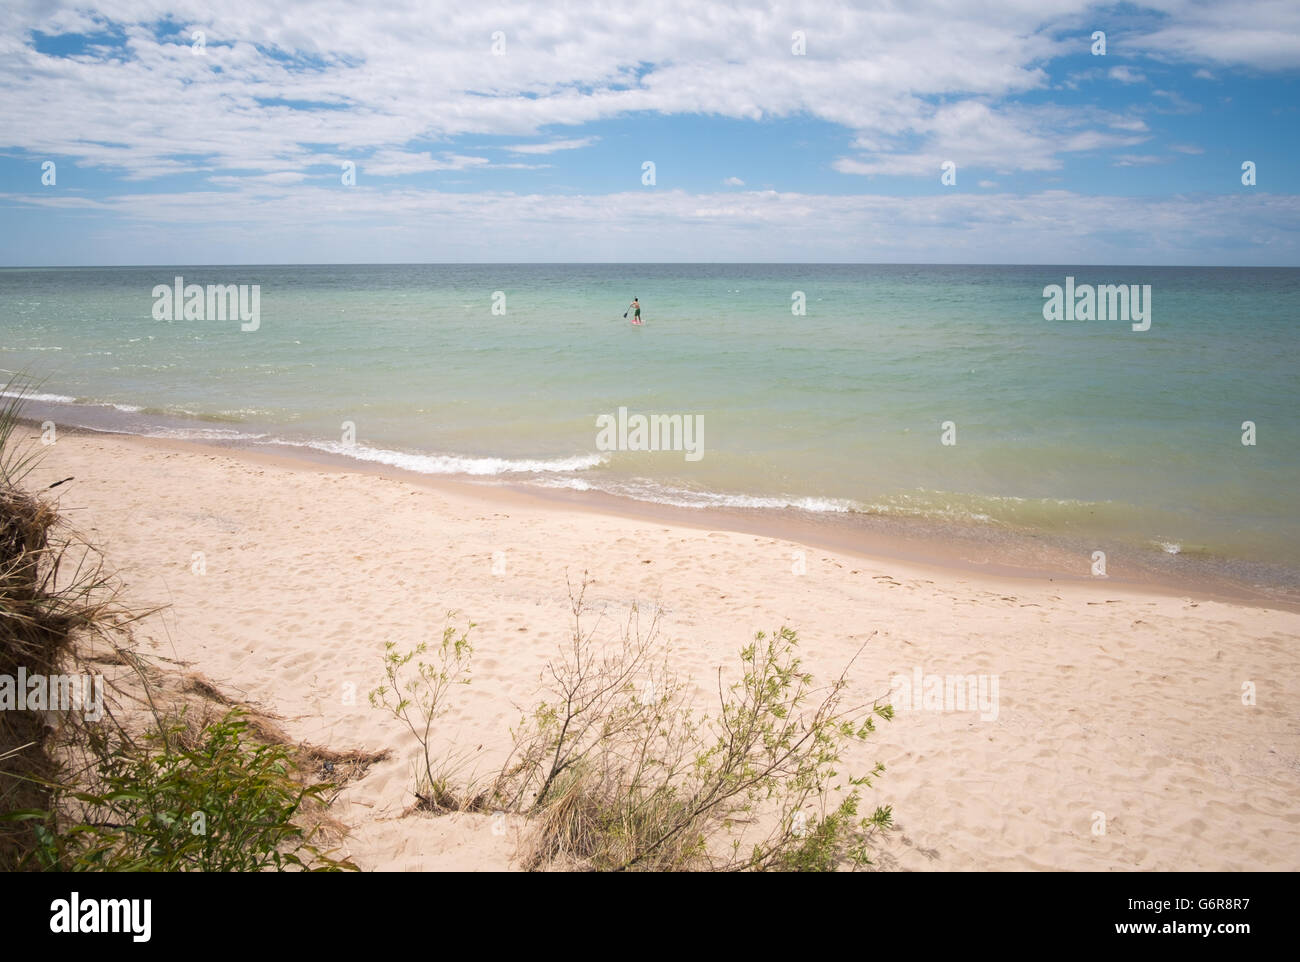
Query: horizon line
{"x": 20, "y": 267}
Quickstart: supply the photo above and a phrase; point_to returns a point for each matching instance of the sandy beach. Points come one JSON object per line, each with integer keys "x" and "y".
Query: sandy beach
{"x": 1115, "y": 705}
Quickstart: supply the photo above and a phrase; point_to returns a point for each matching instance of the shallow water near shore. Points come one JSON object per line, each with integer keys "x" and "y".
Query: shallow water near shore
{"x": 1084, "y": 433}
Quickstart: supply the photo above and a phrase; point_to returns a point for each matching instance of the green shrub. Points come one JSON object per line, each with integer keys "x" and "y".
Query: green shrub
{"x": 225, "y": 803}
{"x": 616, "y": 772}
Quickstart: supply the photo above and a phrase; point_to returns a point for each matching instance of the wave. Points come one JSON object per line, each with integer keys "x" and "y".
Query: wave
{"x": 406, "y": 460}
{"x": 450, "y": 463}
{"x": 643, "y": 490}
{"x": 575, "y": 473}
{"x": 64, "y": 399}
{"x": 201, "y": 434}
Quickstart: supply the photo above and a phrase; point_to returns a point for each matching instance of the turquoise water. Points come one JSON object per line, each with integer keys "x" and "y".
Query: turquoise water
{"x": 1084, "y": 428}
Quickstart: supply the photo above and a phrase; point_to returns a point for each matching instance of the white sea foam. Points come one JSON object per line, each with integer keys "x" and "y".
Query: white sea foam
{"x": 452, "y": 464}
{"x": 203, "y": 434}
{"x": 572, "y": 484}
{"x": 642, "y": 490}
{"x": 31, "y": 396}
{"x": 714, "y": 499}
{"x": 64, "y": 399}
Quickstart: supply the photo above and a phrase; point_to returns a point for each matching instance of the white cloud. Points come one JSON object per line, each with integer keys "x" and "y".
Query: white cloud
{"x": 335, "y": 224}
{"x": 1263, "y": 35}
{"x": 406, "y": 74}
{"x": 552, "y": 146}
{"x": 393, "y": 163}
{"x": 1178, "y": 104}
{"x": 1139, "y": 160}
{"x": 734, "y": 182}
{"x": 913, "y": 85}
{"x": 272, "y": 179}
{"x": 1127, "y": 75}
{"x": 973, "y": 134}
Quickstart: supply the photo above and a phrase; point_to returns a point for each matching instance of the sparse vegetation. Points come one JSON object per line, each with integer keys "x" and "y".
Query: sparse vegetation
{"x": 619, "y": 773}
{"x": 416, "y": 694}
{"x": 210, "y": 800}
{"x": 164, "y": 793}
{"x": 615, "y": 770}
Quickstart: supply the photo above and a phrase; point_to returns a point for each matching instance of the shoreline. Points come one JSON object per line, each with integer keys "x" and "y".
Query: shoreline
{"x": 1021, "y": 559}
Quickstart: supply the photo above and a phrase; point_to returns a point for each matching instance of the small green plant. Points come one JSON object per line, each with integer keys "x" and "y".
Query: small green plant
{"x": 838, "y": 837}
{"x": 416, "y": 694}
{"x": 224, "y": 803}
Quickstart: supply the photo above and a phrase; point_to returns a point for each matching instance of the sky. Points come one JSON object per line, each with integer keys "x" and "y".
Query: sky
{"x": 344, "y": 132}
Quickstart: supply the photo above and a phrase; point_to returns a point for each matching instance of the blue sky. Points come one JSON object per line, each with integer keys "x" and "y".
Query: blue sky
{"x": 233, "y": 152}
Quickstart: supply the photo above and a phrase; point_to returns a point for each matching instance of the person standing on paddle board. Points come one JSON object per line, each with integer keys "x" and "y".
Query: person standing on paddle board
{"x": 635, "y": 308}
